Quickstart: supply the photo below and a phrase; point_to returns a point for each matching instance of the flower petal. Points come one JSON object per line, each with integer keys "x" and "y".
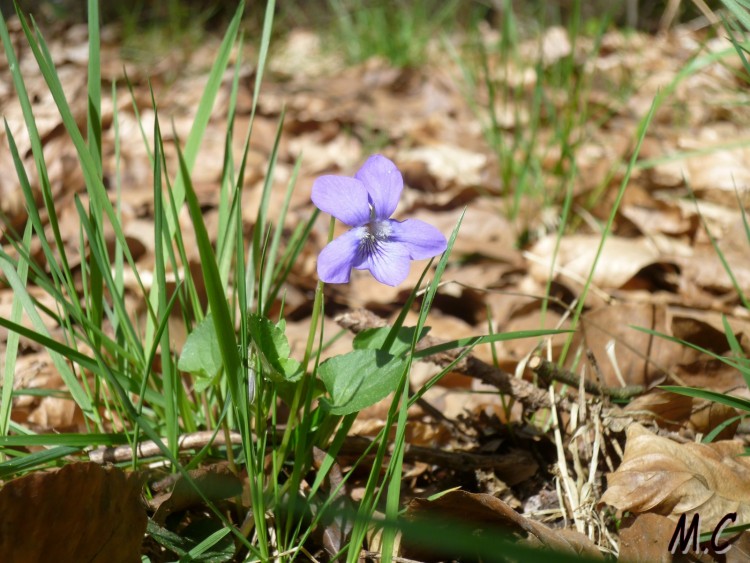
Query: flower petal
{"x": 389, "y": 263}
{"x": 343, "y": 197}
{"x": 383, "y": 182}
{"x": 335, "y": 261}
{"x": 420, "y": 239}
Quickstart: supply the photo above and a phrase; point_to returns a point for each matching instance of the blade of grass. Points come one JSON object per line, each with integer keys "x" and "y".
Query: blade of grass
{"x": 94, "y": 134}
{"x": 11, "y": 344}
{"x": 58, "y": 352}
{"x": 395, "y": 467}
{"x": 203, "y": 113}
{"x": 214, "y": 289}
{"x": 63, "y": 275}
{"x": 226, "y": 238}
{"x": 272, "y": 254}
{"x": 95, "y": 188}
{"x": 35, "y": 460}
{"x": 168, "y": 374}
{"x": 71, "y": 440}
{"x": 713, "y": 396}
{"x": 255, "y": 266}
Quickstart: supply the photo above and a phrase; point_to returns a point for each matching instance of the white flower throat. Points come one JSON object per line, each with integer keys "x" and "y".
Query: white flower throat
{"x": 373, "y": 233}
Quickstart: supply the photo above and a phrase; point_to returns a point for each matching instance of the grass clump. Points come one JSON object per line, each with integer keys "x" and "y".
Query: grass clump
{"x": 234, "y": 377}
{"x": 400, "y": 32}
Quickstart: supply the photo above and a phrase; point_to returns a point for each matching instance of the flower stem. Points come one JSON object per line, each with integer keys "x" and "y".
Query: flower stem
{"x": 304, "y": 390}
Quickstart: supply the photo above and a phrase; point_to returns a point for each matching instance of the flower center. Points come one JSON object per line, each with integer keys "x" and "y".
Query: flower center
{"x": 375, "y": 233}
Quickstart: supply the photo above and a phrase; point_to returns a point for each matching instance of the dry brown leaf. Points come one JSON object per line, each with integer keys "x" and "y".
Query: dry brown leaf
{"x": 301, "y": 55}
{"x": 680, "y": 413}
{"x": 528, "y": 315}
{"x": 740, "y": 550}
{"x": 719, "y": 173}
{"x": 342, "y": 152}
{"x": 450, "y": 165}
{"x": 667, "y": 410}
{"x": 662, "y": 476}
{"x": 705, "y": 269}
{"x": 484, "y": 231}
{"x": 645, "y": 538}
{"x": 82, "y": 512}
{"x": 660, "y": 218}
{"x": 216, "y": 482}
{"x": 620, "y": 260}
{"x": 640, "y": 358}
{"x": 57, "y": 414}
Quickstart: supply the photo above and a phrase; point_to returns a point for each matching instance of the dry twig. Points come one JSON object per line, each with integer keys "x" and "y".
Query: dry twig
{"x": 149, "y": 448}
{"x": 549, "y": 372}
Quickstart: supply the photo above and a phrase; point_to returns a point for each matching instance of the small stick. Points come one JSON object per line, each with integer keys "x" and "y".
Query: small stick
{"x": 353, "y": 445}
{"x": 149, "y": 448}
{"x": 549, "y": 372}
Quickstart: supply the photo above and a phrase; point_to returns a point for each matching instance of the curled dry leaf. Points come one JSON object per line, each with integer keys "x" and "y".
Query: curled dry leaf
{"x": 661, "y": 476}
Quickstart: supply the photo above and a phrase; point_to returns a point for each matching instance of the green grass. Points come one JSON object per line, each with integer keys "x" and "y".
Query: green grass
{"x": 556, "y": 101}
{"x": 400, "y": 32}
{"x": 242, "y": 282}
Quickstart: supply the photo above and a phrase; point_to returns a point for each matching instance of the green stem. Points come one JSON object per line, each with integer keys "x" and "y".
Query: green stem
{"x": 303, "y": 390}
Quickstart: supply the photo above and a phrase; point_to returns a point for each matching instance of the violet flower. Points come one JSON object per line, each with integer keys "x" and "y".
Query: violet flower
{"x": 376, "y": 242}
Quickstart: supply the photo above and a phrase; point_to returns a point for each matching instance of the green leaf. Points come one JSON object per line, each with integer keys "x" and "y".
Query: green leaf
{"x": 360, "y": 379}
{"x": 273, "y": 349}
{"x": 375, "y": 339}
{"x": 201, "y": 354}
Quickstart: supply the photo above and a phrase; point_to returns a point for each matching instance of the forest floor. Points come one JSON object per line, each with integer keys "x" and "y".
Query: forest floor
{"x": 604, "y": 470}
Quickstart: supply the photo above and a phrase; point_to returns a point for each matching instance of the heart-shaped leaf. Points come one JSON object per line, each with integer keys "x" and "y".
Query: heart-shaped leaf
{"x": 273, "y": 349}
{"x": 360, "y": 379}
{"x": 201, "y": 355}
{"x": 374, "y": 339}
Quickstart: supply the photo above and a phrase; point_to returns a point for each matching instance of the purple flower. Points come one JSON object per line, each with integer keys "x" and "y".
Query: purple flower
{"x": 376, "y": 242}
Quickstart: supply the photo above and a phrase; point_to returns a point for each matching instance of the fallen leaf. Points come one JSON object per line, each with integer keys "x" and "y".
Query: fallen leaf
{"x": 639, "y": 357}
{"x": 620, "y": 259}
{"x": 645, "y": 538}
{"x": 83, "y": 512}
{"x": 451, "y": 165}
{"x": 216, "y": 482}
{"x": 666, "y": 409}
{"x": 664, "y": 477}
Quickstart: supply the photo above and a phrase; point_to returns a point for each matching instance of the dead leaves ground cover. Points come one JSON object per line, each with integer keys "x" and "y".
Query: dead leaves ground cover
{"x": 555, "y": 464}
